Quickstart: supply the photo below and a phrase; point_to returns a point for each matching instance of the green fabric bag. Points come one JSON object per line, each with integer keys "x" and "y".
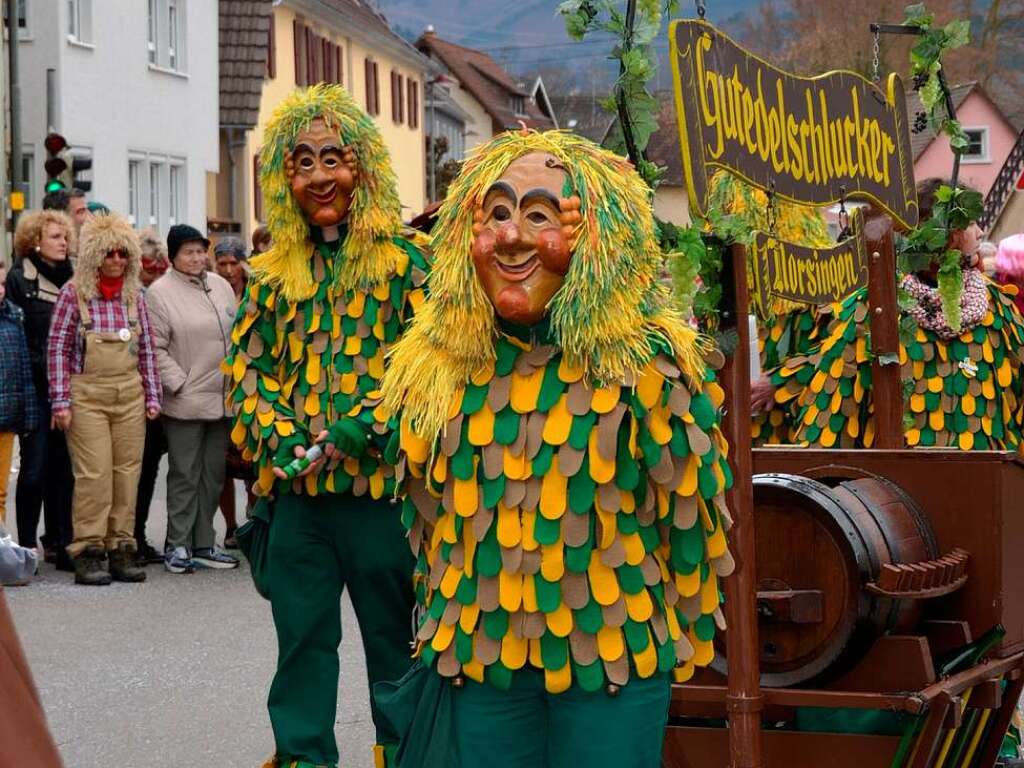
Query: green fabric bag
{"x": 254, "y": 540}
{"x": 419, "y": 708}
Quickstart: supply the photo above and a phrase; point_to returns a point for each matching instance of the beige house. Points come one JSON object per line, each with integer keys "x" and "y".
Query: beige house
{"x": 268, "y": 49}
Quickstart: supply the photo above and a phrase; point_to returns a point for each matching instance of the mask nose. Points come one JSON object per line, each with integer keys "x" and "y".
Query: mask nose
{"x": 508, "y": 236}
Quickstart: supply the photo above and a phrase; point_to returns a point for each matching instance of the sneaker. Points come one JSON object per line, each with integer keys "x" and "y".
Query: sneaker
{"x": 214, "y": 558}
{"x": 177, "y": 560}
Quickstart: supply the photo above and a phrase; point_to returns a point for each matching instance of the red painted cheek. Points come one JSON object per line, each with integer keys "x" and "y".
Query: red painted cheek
{"x": 483, "y": 248}
{"x": 513, "y": 303}
{"x": 553, "y": 250}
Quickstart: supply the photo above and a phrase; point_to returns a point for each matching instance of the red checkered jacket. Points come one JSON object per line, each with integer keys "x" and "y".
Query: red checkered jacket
{"x": 66, "y": 347}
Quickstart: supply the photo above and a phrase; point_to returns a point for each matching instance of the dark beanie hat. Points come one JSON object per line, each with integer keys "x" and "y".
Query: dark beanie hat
{"x": 180, "y": 234}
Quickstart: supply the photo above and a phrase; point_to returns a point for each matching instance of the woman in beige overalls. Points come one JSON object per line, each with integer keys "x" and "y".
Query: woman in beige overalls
{"x": 104, "y": 384}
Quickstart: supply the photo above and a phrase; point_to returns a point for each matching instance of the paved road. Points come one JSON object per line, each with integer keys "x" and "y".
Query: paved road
{"x": 171, "y": 672}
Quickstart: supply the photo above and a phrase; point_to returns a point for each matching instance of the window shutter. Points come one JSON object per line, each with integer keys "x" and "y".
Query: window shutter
{"x": 339, "y": 67}
{"x": 271, "y": 50}
{"x": 369, "y": 85}
{"x": 414, "y": 104}
{"x": 327, "y": 59}
{"x": 394, "y": 96}
{"x": 311, "y": 74}
{"x": 376, "y": 89}
{"x": 299, "y": 46}
{"x": 401, "y": 97}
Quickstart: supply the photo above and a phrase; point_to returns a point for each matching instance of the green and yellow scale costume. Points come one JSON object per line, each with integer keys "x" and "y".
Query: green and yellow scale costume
{"x": 564, "y": 485}
{"x": 967, "y": 391}
{"x": 309, "y": 342}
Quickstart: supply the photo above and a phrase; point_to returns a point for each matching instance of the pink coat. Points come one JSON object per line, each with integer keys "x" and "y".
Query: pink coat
{"x": 1010, "y": 265}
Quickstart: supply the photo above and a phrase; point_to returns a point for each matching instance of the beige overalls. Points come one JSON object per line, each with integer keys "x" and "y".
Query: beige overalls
{"x": 108, "y": 429}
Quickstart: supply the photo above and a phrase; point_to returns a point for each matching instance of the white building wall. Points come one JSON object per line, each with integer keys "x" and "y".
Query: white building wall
{"x": 117, "y": 104}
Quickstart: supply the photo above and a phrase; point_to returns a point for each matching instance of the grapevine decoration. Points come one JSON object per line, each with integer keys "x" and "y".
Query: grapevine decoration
{"x": 955, "y": 207}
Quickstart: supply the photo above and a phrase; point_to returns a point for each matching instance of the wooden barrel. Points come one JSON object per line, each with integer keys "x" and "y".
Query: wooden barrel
{"x": 819, "y": 542}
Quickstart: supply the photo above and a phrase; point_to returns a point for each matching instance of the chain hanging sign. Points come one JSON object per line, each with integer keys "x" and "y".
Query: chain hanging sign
{"x": 812, "y": 138}
{"x": 808, "y": 275}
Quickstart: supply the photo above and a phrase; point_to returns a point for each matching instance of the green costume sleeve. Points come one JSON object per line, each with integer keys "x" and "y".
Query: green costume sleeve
{"x": 265, "y": 423}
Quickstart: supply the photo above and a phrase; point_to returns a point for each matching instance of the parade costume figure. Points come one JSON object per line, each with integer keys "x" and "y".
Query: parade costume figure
{"x": 319, "y": 312}
{"x": 962, "y": 375}
{"x": 967, "y": 389}
{"x": 563, "y": 464}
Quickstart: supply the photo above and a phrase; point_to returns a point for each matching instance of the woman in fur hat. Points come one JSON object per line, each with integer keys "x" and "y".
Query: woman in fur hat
{"x": 104, "y": 384}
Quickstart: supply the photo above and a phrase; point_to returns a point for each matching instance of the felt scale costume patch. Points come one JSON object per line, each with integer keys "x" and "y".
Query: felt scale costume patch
{"x": 966, "y": 392}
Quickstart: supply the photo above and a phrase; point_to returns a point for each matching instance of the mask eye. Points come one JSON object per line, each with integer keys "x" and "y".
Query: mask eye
{"x": 536, "y": 217}
{"x": 501, "y": 213}
{"x": 306, "y": 162}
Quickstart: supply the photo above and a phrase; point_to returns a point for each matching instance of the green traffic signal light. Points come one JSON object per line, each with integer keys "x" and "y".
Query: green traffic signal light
{"x": 54, "y": 185}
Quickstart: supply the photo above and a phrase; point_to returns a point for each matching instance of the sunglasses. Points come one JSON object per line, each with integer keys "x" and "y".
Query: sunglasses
{"x": 117, "y": 254}
{"x": 154, "y": 266}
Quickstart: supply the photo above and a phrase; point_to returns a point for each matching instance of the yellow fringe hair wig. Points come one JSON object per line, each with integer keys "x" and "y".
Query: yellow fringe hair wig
{"x": 603, "y": 316}
{"x": 374, "y": 217}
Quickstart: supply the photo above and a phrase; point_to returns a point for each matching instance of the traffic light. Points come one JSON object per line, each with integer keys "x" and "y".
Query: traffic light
{"x": 58, "y": 169}
{"x": 62, "y": 168}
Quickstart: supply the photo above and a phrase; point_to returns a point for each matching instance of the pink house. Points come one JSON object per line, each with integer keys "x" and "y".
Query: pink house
{"x": 991, "y": 134}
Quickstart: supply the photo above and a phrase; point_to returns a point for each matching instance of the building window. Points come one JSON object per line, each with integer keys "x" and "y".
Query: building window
{"x": 156, "y": 191}
{"x": 414, "y": 104}
{"x": 28, "y": 176}
{"x": 80, "y": 20}
{"x": 165, "y": 35}
{"x": 134, "y": 201}
{"x": 397, "y": 97}
{"x": 176, "y": 194}
{"x": 154, "y": 194}
{"x": 339, "y": 65}
{"x": 977, "y": 146}
{"x": 519, "y": 105}
{"x": 372, "y": 88}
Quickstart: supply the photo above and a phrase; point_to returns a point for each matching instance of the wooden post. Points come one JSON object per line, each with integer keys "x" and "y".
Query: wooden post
{"x": 744, "y": 701}
{"x": 884, "y": 318}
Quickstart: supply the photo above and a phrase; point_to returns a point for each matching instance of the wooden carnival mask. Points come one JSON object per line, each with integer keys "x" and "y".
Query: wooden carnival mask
{"x": 522, "y": 236}
{"x": 322, "y": 173}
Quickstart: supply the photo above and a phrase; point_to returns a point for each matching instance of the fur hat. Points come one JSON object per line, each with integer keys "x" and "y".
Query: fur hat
{"x": 100, "y": 235}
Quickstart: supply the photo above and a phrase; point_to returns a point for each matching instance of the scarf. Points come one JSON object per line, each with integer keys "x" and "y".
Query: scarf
{"x": 927, "y": 312}
{"x": 110, "y": 286}
{"x": 58, "y": 273}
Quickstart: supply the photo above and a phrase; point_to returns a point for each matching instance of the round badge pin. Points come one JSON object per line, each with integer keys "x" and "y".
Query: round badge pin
{"x": 124, "y": 334}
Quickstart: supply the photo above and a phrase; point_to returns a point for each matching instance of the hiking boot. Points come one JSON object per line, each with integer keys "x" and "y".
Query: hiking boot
{"x": 122, "y": 564}
{"x": 214, "y": 558}
{"x": 90, "y": 568}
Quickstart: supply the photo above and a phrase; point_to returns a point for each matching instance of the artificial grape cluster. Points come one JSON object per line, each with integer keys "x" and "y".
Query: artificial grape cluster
{"x": 920, "y": 122}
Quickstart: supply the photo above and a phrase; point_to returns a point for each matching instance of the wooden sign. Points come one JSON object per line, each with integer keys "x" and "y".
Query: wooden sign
{"x": 811, "y": 139}
{"x": 809, "y": 275}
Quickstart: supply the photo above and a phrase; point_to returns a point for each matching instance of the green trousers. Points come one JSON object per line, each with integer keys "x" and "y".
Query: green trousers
{"x": 526, "y": 726}
{"x": 317, "y": 547}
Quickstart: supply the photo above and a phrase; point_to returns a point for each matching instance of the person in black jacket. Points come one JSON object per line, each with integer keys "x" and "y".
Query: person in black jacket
{"x": 42, "y": 243}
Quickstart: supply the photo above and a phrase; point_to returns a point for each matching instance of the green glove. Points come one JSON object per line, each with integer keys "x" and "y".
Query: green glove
{"x": 349, "y": 436}
{"x": 286, "y": 449}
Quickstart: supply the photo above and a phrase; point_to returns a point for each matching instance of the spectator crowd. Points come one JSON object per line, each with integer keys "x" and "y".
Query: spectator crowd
{"x": 111, "y": 343}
